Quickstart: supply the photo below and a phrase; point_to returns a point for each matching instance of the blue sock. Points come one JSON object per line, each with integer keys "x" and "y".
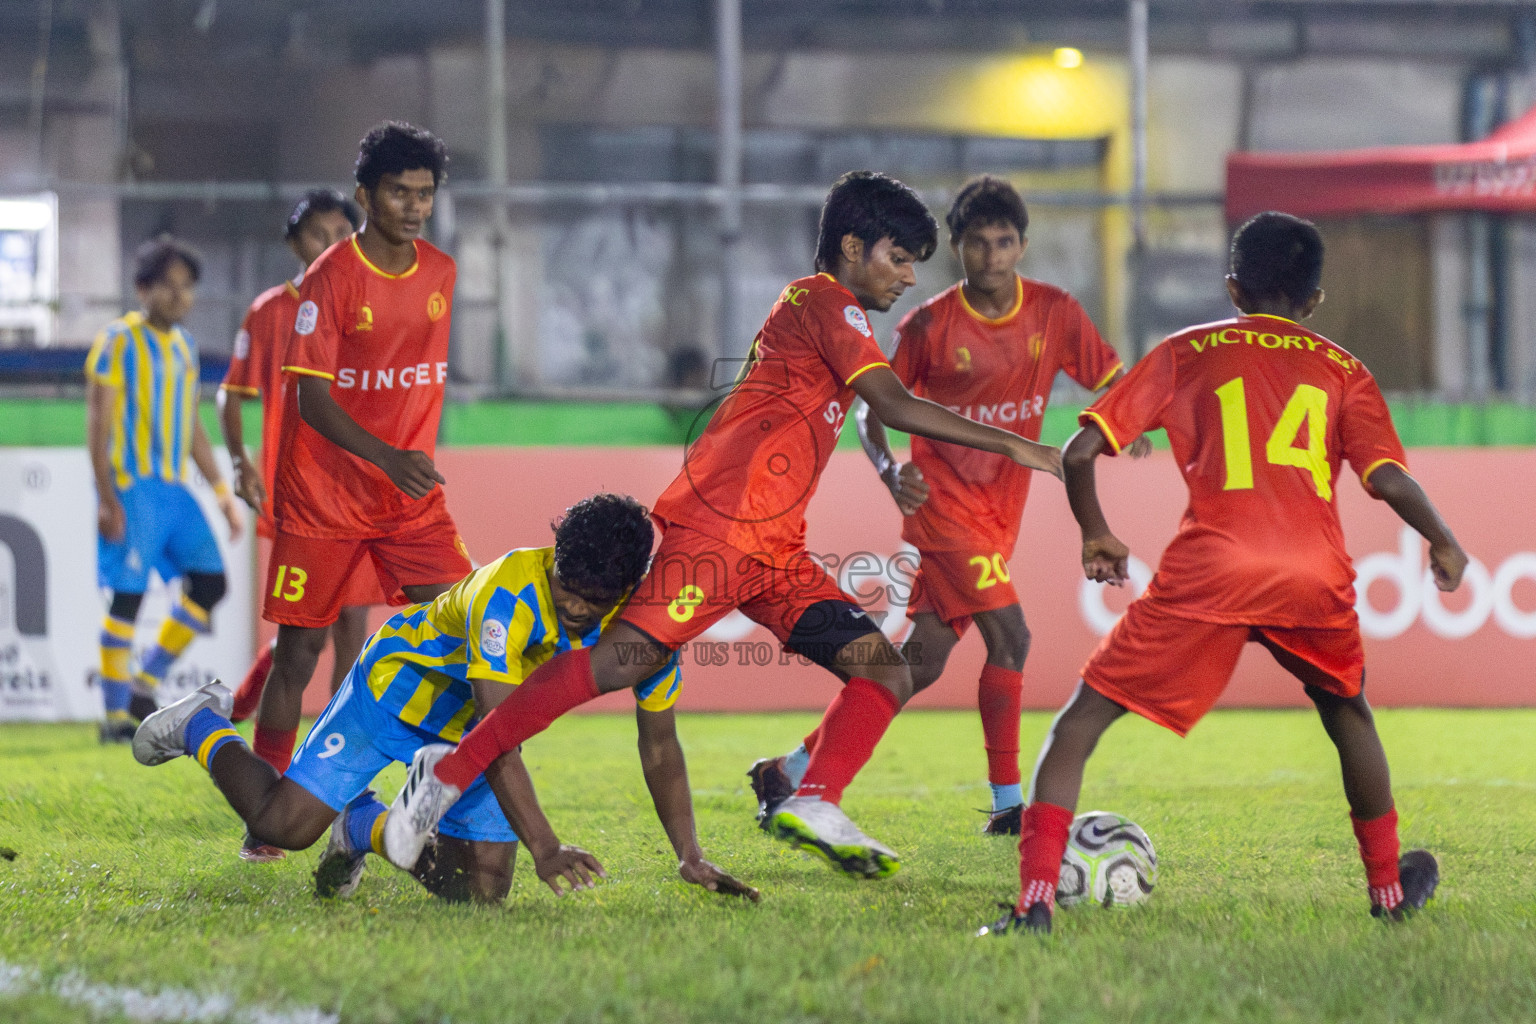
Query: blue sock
{"x": 361, "y": 817}
{"x": 206, "y": 732}
{"x": 795, "y": 763}
{"x": 115, "y": 695}
{"x": 1004, "y": 797}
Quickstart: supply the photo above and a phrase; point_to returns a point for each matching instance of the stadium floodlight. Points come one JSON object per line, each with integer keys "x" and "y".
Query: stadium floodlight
{"x": 1067, "y": 57}
{"x": 25, "y": 214}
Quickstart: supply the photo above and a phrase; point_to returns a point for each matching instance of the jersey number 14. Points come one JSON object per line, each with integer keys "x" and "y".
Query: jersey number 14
{"x": 1306, "y": 403}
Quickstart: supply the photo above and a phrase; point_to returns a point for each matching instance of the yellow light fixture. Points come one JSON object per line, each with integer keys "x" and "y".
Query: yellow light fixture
{"x": 1067, "y": 57}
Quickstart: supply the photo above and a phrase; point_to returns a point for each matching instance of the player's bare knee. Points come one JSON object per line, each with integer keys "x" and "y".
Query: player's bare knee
{"x": 1007, "y": 637}
{"x": 896, "y": 677}
{"x": 298, "y": 648}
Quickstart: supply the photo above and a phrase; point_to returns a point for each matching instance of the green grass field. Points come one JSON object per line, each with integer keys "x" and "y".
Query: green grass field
{"x": 126, "y": 877}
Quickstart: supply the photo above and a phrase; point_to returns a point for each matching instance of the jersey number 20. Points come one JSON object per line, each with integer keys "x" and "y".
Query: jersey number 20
{"x": 1306, "y": 403}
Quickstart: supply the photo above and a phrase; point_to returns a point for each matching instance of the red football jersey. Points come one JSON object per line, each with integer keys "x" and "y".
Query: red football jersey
{"x": 255, "y": 371}
{"x": 747, "y": 479}
{"x": 382, "y": 341}
{"x": 998, "y": 372}
{"x": 1260, "y": 412}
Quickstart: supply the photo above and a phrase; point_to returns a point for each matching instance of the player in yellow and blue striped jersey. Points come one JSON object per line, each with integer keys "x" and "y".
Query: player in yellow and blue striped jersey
{"x": 426, "y": 677}
{"x": 141, "y": 388}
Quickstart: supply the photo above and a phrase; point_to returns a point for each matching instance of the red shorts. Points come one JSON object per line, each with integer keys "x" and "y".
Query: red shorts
{"x": 695, "y": 581}
{"x": 1171, "y": 670}
{"x": 362, "y": 589}
{"x": 310, "y": 579}
{"x": 955, "y": 585}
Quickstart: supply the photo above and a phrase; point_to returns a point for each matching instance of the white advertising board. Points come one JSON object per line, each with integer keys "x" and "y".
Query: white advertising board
{"x": 51, "y": 608}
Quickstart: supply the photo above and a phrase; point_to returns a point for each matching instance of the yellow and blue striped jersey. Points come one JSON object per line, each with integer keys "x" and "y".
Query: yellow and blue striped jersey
{"x": 496, "y": 624}
{"x": 155, "y": 378}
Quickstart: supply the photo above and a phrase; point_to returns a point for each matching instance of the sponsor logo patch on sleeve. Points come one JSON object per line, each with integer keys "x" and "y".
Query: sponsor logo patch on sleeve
{"x": 309, "y": 315}
{"x": 242, "y": 344}
{"x": 857, "y": 320}
{"x": 493, "y": 638}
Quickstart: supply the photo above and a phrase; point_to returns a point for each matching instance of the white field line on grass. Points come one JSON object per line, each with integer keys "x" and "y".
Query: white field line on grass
{"x": 171, "y": 1005}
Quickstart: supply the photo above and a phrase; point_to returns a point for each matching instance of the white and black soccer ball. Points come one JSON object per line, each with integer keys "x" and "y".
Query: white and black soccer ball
{"x": 1109, "y": 861}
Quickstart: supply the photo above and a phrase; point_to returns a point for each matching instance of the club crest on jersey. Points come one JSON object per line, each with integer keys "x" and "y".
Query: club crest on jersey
{"x": 962, "y": 359}
{"x": 364, "y": 319}
{"x": 857, "y": 320}
{"x": 309, "y": 315}
{"x": 436, "y": 306}
{"x": 493, "y": 638}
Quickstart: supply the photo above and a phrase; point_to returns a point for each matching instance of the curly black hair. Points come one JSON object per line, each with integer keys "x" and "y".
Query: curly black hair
{"x": 152, "y": 259}
{"x": 395, "y": 147}
{"x": 986, "y": 200}
{"x": 1276, "y": 254}
{"x": 321, "y": 200}
{"x": 603, "y": 545}
{"x": 871, "y": 206}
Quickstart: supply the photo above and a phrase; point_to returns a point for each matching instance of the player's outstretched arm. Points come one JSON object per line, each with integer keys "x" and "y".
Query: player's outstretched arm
{"x": 513, "y": 786}
{"x": 666, "y": 775}
{"x": 899, "y": 409}
{"x": 1446, "y": 559}
{"x": 903, "y": 479}
{"x": 553, "y": 861}
{"x": 1105, "y": 558}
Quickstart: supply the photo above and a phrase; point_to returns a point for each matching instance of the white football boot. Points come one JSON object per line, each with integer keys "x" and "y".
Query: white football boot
{"x": 418, "y": 807}
{"x": 810, "y": 823}
{"x": 162, "y": 736}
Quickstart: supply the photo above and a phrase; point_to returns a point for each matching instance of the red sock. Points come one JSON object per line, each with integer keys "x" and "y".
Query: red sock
{"x": 1000, "y": 698}
{"x": 248, "y": 696}
{"x": 1042, "y": 841}
{"x": 813, "y": 740}
{"x": 1378, "y": 849}
{"x": 275, "y": 746}
{"x": 560, "y": 684}
{"x": 853, "y": 724}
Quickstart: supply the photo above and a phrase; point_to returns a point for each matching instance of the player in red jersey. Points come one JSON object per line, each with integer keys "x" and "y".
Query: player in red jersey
{"x": 1260, "y": 412}
{"x": 320, "y": 220}
{"x": 735, "y": 532}
{"x": 987, "y": 348}
{"x": 365, "y": 370}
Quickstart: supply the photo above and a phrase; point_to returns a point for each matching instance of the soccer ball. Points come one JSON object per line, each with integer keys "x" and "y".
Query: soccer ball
{"x": 1109, "y": 860}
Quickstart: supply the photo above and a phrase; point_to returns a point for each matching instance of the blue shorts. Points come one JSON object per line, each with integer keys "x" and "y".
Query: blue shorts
{"x": 354, "y": 739}
{"x": 165, "y": 532}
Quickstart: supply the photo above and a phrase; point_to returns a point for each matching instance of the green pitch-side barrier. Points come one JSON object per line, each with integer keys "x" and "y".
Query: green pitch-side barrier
{"x": 61, "y": 422}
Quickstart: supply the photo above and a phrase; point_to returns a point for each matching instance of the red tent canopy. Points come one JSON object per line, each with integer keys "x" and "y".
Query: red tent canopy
{"x": 1497, "y": 174}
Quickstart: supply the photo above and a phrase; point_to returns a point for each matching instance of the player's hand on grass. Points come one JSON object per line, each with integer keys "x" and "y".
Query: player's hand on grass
{"x": 702, "y": 872}
{"x": 248, "y": 484}
{"x": 1105, "y": 560}
{"x": 411, "y": 471}
{"x": 571, "y": 863}
{"x": 1447, "y": 562}
{"x": 1033, "y": 455}
{"x": 905, "y": 481}
{"x": 1139, "y": 448}
{"x": 111, "y": 521}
